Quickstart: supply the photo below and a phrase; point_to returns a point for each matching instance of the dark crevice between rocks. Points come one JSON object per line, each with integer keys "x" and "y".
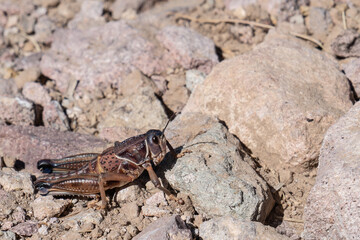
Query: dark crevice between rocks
{"x": 169, "y": 113}
{"x": 19, "y": 165}
{"x": 38, "y": 115}
{"x": 276, "y": 216}
{"x": 219, "y": 53}
{"x": 69, "y": 121}
{"x": 242, "y": 145}
{"x": 353, "y": 96}
{"x": 107, "y": 14}
{"x": 43, "y": 79}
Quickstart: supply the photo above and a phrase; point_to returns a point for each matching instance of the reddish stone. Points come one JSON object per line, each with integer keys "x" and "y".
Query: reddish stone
{"x": 30, "y": 144}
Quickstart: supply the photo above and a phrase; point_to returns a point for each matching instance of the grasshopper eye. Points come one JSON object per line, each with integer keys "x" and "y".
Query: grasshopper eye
{"x": 155, "y": 139}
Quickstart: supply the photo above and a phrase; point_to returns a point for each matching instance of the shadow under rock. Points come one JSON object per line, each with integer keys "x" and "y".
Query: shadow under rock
{"x": 167, "y": 163}
{"x": 19, "y": 165}
{"x": 276, "y": 215}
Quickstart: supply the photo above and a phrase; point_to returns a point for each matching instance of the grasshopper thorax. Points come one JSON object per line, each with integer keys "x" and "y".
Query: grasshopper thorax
{"x": 156, "y": 145}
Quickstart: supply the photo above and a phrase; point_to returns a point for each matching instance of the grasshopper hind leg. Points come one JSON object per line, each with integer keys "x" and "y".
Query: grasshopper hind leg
{"x": 65, "y": 164}
{"x": 45, "y": 165}
{"x": 43, "y": 188}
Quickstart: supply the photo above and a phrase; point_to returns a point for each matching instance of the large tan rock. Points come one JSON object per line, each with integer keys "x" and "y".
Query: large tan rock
{"x": 279, "y": 99}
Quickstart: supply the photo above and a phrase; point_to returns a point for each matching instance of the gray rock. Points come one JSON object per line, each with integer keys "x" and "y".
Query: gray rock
{"x": 25, "y": 229}
{"x": 11, "y": 180}
{"x": 166, "y": 228}
{"x": 193, "y": 78}
{"x": 279, "y": 99}
{"x": 47, "y": 207}
{"x": 215, "y": 174}
{"x": 332, "y": 209}
{"x": 31, "y": 144}
{"x": 352, "y": 72}
{"x": 347, "y": 44}
{"x": 229, "y": 228}
{"x": 188, "y": 48}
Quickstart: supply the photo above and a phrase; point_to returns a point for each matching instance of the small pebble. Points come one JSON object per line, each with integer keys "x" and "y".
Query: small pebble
{"x": 43, "y": 230}
{"x": 54, "y": 220}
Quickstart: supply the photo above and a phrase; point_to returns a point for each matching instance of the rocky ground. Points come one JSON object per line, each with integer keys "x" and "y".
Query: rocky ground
{"x": 268, "y": 134}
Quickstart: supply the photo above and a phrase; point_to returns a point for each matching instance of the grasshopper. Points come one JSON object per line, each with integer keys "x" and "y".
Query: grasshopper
{"x": 90, "y": 174}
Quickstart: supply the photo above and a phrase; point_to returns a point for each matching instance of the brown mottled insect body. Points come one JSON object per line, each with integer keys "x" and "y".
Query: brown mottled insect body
{"x": 91, "y": 174}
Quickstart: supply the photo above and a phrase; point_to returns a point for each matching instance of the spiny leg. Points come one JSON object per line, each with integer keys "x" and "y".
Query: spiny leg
{"x": 65, "y": 164}
{"x": 77, "y": 184}
{"x": 155, "y": 180}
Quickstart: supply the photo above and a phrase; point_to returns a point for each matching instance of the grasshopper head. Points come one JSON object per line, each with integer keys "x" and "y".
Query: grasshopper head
{"x": 156, "y": 142}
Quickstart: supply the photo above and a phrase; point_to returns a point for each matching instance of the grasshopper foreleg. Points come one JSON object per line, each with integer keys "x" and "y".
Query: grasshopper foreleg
{"x": 155, "y": 180}
{"x": 114, "y": 177}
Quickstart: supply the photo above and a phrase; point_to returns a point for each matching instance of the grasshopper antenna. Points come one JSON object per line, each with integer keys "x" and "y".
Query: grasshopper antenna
{"x": 170, "y": 119}
{"x": 172, "y": 151}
